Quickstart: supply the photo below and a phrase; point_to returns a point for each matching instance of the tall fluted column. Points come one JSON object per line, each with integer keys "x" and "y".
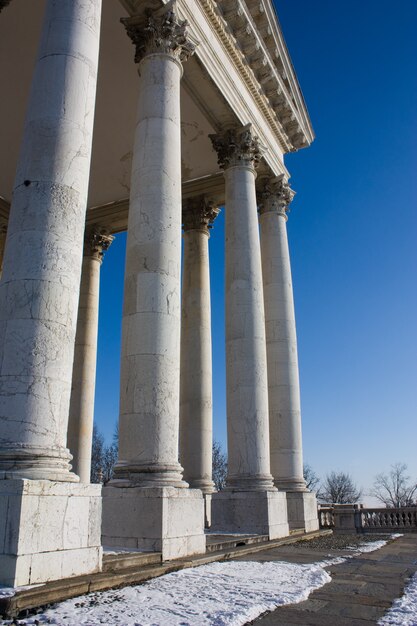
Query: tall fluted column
{"x": 246, "y": 374}
{"x": 196, "y": 405}
{"x": 281, "y": 338}
{"x": 250, "y": 502}
{"x": 81, "y": 414}
{"x": 42, "y": 262}
{"x": 281, "y": 343}
{"x": 147, "y": 504}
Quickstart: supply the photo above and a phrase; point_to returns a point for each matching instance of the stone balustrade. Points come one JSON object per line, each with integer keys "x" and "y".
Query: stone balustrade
{"x": 326, "y": 516}
{"x": 348, "y": 517}
{"x": 403, "y": 519}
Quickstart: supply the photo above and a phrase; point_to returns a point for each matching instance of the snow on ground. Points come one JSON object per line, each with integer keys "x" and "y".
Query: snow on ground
{"x": 371, "y": 546}
{"x": 404, "y": 610}
{"x": 218, "y": 594}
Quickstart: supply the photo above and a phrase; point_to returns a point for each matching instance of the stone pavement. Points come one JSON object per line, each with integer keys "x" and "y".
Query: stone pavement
{"x": 361, "y": 590}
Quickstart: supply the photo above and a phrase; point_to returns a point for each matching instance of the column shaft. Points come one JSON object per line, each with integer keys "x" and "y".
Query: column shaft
{"x": 81, "y": 413}
{"x": 246, "y": 370}
{"x": 147, "y": 505}
{"x": 42, "y": 264}
{"x": 281, "y": 340}
{"x": 150, "y": 364}
{"x": 196, "y": 404}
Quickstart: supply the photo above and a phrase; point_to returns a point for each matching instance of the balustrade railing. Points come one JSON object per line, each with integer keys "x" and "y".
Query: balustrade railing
{"x": 326, "y": 516}
{"x": 389, "y": 519}
{"x": 344, "y": 518}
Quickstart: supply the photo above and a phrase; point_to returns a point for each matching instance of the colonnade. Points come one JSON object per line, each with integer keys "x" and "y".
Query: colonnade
{"x": 48, "y": 357}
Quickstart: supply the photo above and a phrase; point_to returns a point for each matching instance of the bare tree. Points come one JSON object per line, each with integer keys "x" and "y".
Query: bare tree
{"x": 395, "y": 489}
{"x": 311, "y": 478}
{"x": 97, "y": 456}
{"x": 219, "y": 466}
{"x": 103, "y": 458}
{"x": 339, "y": 488}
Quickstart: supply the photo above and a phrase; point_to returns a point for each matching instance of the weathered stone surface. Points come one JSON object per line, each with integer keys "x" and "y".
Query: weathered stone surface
{"x": 81, "y": 412}
{"x": 281, "y": 339}
{"x": 42, "y": 261}
{"x": 196, "y": 403}
{"x": 302, "y": 510}
{"x": 246, "y": 368}
{"x": 263, "y": 513}
{"x": 150, "y": 363}
{"x": 48, "y": 530}
{"x": 160, "y": 519}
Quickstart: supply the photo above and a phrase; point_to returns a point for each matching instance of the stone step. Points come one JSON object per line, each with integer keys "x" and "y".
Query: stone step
{"x": 125, "y": 560}
{"x": 214, "y": 543}
{"x": 296, "y": 531}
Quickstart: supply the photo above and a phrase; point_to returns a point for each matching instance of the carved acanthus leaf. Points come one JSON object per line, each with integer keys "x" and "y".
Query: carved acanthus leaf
{"x": 199, "y": 214}
{"x": 237, "y": 146}
{"x": 96, "y": 241}
{"x": 159, "y": 32}
{"x": 275, "y": 195}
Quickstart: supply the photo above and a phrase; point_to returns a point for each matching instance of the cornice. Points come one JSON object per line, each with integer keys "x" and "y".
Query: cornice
{"x": 222, "y": 29}
{"x": 249, "y": 32}
{"x": 256, "y": 30}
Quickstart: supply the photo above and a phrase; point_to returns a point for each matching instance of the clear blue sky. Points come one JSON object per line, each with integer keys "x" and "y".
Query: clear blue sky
{"x": 352, "y": 233}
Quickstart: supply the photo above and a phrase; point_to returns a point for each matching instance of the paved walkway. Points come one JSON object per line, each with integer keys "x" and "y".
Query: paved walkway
{"x": 361, "y": 590}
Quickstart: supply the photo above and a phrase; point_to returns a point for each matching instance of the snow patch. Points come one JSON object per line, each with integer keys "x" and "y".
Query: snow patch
{"x": 217, "y": 594}
{"x": 404, "y": 610}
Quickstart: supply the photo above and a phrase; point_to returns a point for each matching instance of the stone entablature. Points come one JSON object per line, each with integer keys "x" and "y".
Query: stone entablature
{"x": 257, "y": 36}
{"x": 259, "y": 55}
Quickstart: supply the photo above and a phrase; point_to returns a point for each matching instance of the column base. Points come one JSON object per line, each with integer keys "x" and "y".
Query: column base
{"x": 156, "y": 519}
{"x": 144, "y": 476}
{"x": 48, "y": 531}
{"x": 251, "y": 512}
{"x": 34, "y": 463}
{"x": 302, "y": 510}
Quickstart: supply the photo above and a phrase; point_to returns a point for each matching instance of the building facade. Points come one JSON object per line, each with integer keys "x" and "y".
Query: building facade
{"x": 145, "y": 116}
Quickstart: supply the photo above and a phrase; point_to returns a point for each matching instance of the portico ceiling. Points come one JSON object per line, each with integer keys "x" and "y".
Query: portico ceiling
{"x": 241, "y": 73}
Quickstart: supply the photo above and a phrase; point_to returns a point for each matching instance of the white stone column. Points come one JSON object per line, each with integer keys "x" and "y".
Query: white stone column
{"x": 51, "y": 528}
{"x": 42, "y": 262}
{"x": 196, "y": 402}
{"x": 150, "y": 364}
{"x": 246, "y": 365}
{"x": 281, "y": 341}
{"x": 81, "y": 414}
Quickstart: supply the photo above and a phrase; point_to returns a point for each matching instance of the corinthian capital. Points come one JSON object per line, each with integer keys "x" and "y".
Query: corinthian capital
{"x": 159, "y": 31}
{"x": 275, "y": 195}
{"x": 237, "y": 146}
{"x": 199, "y": 214}
{"x": 96, "y": 241}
